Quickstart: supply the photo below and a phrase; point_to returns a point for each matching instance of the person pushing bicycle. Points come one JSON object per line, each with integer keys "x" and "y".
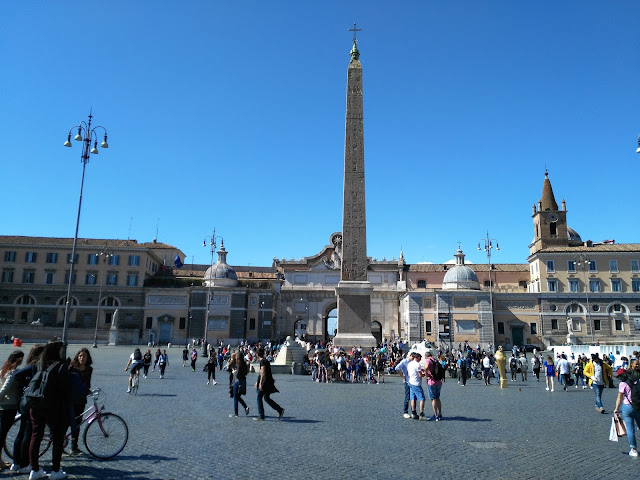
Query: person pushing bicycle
{"x": 135, "y": 362}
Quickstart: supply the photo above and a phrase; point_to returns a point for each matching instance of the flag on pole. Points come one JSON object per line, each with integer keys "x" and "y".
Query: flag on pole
{"x": 177, "y": 261}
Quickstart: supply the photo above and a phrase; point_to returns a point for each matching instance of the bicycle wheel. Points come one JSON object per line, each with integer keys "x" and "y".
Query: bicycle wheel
{"x": 13, "y": 432}
{"x": 106, "y": 436}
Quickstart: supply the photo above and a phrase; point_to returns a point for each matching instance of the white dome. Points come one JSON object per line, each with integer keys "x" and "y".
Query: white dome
{"x": 460, "y": 276}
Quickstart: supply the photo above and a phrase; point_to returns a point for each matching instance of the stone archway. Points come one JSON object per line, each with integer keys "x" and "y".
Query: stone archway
{"x": 330, "y": 321}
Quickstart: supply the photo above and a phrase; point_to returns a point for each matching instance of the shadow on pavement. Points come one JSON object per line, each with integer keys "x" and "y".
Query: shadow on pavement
{"x": 157, "y": 395}
{"x": 301, "y": 420}
{"x": 466, "y": 419}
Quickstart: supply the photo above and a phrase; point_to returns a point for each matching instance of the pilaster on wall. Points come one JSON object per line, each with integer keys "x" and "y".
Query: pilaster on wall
{"x": 485, "y": 318}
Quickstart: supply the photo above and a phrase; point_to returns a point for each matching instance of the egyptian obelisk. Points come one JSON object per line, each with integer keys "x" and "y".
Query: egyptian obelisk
{"x": 354, "y": 289}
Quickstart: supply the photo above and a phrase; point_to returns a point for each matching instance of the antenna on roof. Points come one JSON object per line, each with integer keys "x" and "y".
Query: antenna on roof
{"x": 157, "y": 228}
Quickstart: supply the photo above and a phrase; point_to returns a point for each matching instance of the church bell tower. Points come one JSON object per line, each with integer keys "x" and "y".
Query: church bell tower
{"x": 549, "y": 222}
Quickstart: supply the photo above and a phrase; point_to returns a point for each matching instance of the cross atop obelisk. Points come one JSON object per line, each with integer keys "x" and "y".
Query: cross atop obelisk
{"x": 354, "y": 289}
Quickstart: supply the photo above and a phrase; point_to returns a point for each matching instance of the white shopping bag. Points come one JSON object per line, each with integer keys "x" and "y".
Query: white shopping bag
{"x": 613, "y": 435}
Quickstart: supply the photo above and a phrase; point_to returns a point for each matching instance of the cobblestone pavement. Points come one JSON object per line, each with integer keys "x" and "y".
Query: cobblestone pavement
{"x": 179, "y": 428}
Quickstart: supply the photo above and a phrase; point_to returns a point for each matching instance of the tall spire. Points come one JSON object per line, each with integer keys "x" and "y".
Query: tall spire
{"x": 548, "y": 201}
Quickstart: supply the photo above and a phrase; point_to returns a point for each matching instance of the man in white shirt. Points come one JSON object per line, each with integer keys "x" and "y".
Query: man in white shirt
{"x": 415, "y": 374}
{"x": 486, "y": 369}
{"x": 401, "y": 368}
{"x": 564, "y": 370}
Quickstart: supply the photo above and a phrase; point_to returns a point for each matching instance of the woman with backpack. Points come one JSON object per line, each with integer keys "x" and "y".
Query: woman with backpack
{"x": 9, "y": 397}
{"x": 624, "y": 403}
{"x": 21, "y": 443}
{"x": 239, "y": 368}
{"x": 210, "y": 368}
{"x": 52, "y": 409}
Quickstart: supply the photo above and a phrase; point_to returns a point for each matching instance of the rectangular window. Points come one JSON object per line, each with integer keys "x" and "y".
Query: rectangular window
{"x": 571, "y": 266}
{"x": 534, "y": 328}
{"x": 92, "y": 259}
{"x": 635, "y": 284}
{"x": 552, "y": 285}
{"x": 132, "y": 280}
{"x": 487, "y": 283}
{"x": 112, "y": 279}
{"x": 575, "y": 324}
{"x": 554, "y": 324}
{"x": 69, "y": 258}
{"x": 500, "y": 328}
{"x": 91, "y": 279}
{"x": 635, "y": 266}
{"x": 428, "y": 327}
{"x": 66, "y": 279}
{"x": 593, "y": 266}
{"x": 30, "y": 257}
{"x": 613, "y": 266}
{"x": 134, "y": 260}
{"x": 114, "y": 260}
{"x": 619, "y": 324}
{"x": 9, "y": 256}
{"x": 596, "y": 324}
{"x": 594, "y": 286}
{"x": 48, "y": 278}
{"x": 574, "y": 285}
{"x": 7, "y": 276}
{"x": 252, "y": 324}
{"x": 551, "y": 266}
{"x": 616, "y": 285}
{"x": 52, "y": 257}
{"x": 28, "y": 277}
{"x": 522, "y": 284}
{"x": 149, "y": 323}
{"x": 183, "y": 323}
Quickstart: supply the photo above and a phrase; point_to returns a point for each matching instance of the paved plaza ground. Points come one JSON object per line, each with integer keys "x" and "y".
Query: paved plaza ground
{"x": 180, "y": 429}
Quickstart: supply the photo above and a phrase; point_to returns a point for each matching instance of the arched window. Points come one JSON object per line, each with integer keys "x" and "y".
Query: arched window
{"x": 110, "y": 302}
{"x": 617, "y": 308}
{"x": 574, "y": 308}
{"x": 26, "y": 300}
{"x": 63, "y": 301}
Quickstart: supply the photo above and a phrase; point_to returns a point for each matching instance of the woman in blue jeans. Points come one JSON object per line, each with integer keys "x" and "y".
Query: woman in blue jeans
{"x": 239, "y": 368}
{"x": 630, "y": 415}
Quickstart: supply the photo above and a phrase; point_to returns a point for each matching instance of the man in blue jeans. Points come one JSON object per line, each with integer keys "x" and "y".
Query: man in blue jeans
{"x": 433, "y": 386}
{"x": 265, "y": 386}
{"x": 401, "y": 368}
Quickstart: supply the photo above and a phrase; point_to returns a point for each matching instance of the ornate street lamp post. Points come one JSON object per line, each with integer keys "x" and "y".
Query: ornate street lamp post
{"x": 486, "y": 244}
{"x": 105, "y": 253}
{"x": 583, "y": 262}
{"x": 212, "y": 243}
{"x": 85, "y": 134}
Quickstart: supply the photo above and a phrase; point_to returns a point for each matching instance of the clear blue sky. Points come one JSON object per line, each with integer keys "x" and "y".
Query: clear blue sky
{"x": 231, "y": 114}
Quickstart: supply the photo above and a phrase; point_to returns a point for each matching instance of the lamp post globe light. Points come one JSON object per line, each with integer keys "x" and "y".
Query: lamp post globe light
{"x": 85, "y": 134}
{"x": 212, "y": 243}
{"x": 638, "y": 150}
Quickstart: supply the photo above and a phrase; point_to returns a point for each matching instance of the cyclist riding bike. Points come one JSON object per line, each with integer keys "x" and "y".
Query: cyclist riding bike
{"x": 135, "y": 362}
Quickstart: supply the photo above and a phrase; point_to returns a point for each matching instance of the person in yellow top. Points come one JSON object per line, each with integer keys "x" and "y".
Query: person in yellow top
{"x": 598, "y": 374}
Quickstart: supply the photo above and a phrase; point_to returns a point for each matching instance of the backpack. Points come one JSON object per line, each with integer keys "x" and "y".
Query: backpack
{"x": 438, "y": 371}
{"x": 36, "y": 392}
{"x": 635, "y": 395}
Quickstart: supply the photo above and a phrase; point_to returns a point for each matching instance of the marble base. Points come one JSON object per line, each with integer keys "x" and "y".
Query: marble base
{"x": 354, "y": 315}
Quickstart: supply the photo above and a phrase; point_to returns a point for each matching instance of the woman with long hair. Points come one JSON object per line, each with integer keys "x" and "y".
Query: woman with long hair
{"x": 80, "y": 365}
{"x": 23, "y": 438}
{"x": 624, "y": 403}
{"x": 550, "y": 371}
{"x": 239, "y": 368}
{"x": 52, "y": 411}
{"x": 9, "y": 397}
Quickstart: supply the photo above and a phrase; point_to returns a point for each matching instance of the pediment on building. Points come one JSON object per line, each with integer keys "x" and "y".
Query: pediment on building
{"x": 329, "y": 258}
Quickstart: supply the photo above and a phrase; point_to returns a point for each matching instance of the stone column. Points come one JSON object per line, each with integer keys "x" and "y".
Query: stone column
{"x": 354, "y": 289}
